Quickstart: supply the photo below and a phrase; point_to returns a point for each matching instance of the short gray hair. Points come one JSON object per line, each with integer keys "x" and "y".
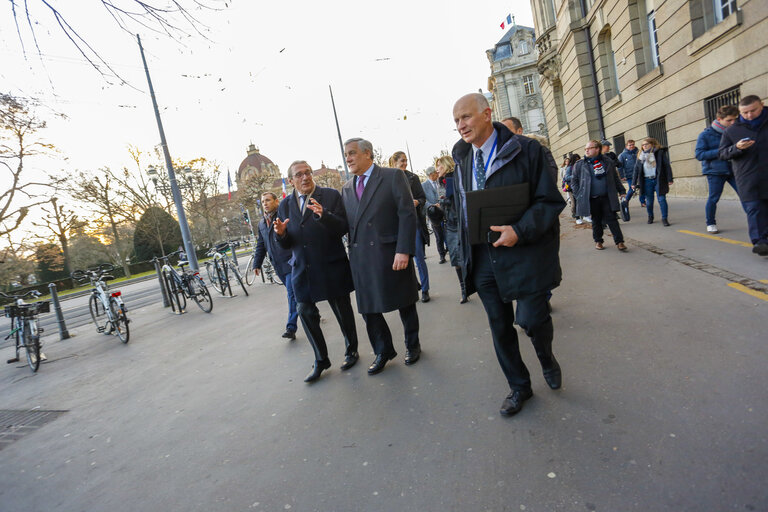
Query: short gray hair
{"x": 362, "y": 144}
{"x": 294, "y": 163}
{"x": 430, "y": 170}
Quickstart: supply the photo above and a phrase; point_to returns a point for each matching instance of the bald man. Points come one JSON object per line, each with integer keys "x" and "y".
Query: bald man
{"x": 516, "y": 261}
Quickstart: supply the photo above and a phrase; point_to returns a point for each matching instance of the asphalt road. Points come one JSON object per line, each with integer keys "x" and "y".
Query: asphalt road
{"x": 662, "y": 407}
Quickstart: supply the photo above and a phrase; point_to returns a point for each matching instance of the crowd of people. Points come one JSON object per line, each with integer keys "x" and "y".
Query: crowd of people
{"x": 494, "y": 208}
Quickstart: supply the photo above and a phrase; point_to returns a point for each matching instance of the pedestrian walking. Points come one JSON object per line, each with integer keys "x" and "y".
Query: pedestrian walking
{"x": 597, "y": 186}
{"x": 517, "y": 260}
{"x": 745, "y": 143}
{"x": 626, "y": 167}
{"x": 718, "y": 172}
{"x": 434, "y": 190}
{"x": 445, "y": 168}
{"x": 382, "y": 240}
{"x": 653, "y": 175}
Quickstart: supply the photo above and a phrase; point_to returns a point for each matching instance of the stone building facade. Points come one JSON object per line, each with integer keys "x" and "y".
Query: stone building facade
{"x": 514, "y": 80}
{"x": 627, "y": 69}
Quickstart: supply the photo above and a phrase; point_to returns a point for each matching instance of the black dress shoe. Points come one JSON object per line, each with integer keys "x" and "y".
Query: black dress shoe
{"x": 350, "y": 361}
{"x": 411, "y": 356}
{"x": 317, "y": 369}
{"x": 425, "y": 296}
{"x": 553, "y": 375}
{"x": 464, "y": 299}
{"x": 665, "y": 222}
{"x": 289, "y": 334}
{"x": 380, "y": 362}
{"x": 650, "y": 220}
{"x": 514, "y": 402}
{"x": 442, "y": 260}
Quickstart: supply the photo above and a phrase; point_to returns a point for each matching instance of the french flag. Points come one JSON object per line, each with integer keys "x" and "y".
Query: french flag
{"x": 283, "y": 188}
{"x": 229, "y": 186}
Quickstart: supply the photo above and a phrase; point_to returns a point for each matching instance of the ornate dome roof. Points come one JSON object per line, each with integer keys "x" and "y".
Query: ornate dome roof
{"x": 256, "y": 162}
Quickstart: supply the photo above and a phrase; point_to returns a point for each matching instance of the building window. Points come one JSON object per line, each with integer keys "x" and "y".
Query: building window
{"x": 502, "y": 52}
{"x": 713, "y": 103}
{"x": 523, "y": 47}
{"x": 560, "y": 110}
{"x": 619, "y": 144}
{"x": 723, "y": 9}
{"x": 655, "y": 58}
{"x": 607, "y": 61}
{"x": 658, "y": 130}
{"x": 528, "y": 84}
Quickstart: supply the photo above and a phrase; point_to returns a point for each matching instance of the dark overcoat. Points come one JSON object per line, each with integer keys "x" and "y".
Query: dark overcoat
{"x": 750, "y": 166}
{"x": 532, "y": 266}
{"x": 381, "y": 224}
{"x": 581, "y": 183}
{"x": 663, "y": 172}
{"x": 320, "y": 268}
{"x": 417, "y": 191}
{"x": 267, "y": 244}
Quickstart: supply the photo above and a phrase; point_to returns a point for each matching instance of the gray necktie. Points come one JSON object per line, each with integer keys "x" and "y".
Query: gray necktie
{"x": 479, "y": 170}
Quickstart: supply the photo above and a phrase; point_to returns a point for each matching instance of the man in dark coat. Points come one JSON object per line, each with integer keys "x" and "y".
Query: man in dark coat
{"x": 268, "y": 244}
{"x": 745, "y": 143}
{"x": 382, "y": 236}
{"x": 311, "y": 222}
{"x": 523, "y": 263}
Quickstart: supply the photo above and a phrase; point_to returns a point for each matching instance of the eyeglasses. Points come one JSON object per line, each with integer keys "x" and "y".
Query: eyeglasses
{"x": 591, "y": 147}
{"x": 301, "y": 174}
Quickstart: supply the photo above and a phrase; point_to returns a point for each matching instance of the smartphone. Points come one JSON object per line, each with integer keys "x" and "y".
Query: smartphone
{"x": 493, "y": 236}
{"x": 745, "y": 139}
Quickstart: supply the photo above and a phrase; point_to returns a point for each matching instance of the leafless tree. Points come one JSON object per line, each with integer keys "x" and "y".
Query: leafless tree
{"x": 61, "y": 222}
{"x": 170, "y": 18}
{"x": 19, "y": 124}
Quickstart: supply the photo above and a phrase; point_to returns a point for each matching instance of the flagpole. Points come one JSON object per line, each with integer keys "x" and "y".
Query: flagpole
{"x": 338, "y": 131}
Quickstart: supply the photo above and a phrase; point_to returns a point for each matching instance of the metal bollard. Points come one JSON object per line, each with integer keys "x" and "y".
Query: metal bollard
{"x": 63, "y": 332}
{"x": 163, "y": 291}
{"x": 234, "y": 255}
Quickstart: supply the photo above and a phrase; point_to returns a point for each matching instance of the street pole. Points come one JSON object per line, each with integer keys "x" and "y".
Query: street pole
{"x": 410, "y": 160}
{"x": 338, "y": 131}
{"x": 186, "y": 236}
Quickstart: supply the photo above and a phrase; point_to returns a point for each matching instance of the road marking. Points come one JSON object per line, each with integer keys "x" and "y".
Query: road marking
{"x": 713, "y": 237}
{"x": 749, "y": 291}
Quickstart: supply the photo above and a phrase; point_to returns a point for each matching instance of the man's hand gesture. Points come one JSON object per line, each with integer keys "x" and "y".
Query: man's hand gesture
{"x": 280, "y": 226}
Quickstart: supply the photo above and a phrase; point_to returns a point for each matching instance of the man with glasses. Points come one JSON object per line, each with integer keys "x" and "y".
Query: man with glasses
{"x": 311, "y": 222}
{"x": 596, "y": 185}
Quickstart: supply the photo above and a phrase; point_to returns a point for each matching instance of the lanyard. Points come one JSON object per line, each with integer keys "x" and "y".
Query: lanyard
{"x": 490, "y": 155}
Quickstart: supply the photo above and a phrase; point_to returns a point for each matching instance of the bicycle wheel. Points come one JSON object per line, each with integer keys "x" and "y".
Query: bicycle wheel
{"x": 250, "y": 275}
{"x": 120, "y": 322}
{"x": 276, "y": 278}
{"x": 220, "y": 279}
{"x": 236, "y": 273}
{"x": 213, "y": 276}
{"x": 200, "y": 294}
{"x": 32, "y": 344}
{"x": 226, "y": 286}
{"x": 173, "y": 294}
{"x": 98, "y": 314}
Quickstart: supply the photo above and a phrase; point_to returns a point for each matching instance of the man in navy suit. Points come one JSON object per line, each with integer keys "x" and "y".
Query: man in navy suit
{"x": 311, "y": 223}
{"x": 267, "y": 244}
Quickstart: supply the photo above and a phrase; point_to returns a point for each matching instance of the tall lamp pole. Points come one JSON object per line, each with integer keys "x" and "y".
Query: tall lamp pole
{"x": 338, "y": 131}
{"x": 186, "y": 236}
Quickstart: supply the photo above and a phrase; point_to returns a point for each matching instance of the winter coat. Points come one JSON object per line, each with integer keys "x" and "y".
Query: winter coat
{"x": 581, "y": 182}
{"x": 268, "y": 244}
{"x": 708, "y": 153}
{"x": 663, "y": 172}
{"x": 626, "y": 165}
{"x": 750, "y": 166}
{"x": 532, "y": 266}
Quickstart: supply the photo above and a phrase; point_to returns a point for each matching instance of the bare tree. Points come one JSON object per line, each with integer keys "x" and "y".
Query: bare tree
{"x": 254, "y": 186}
{"x": 18, "y": 126}
{"x": 170, "y": 18}
{"x": 16, "y": 264}
{"x": 61, "y": 223}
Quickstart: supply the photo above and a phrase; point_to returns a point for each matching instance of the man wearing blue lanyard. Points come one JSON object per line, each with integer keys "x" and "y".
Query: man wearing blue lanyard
{"x": 516, "y": 262}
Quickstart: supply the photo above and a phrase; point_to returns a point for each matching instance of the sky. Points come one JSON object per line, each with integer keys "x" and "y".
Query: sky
{"x": 261, "y": 75}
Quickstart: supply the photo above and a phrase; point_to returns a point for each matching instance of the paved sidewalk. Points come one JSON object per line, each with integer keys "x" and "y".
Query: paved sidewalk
{"x": 662, "y": 407}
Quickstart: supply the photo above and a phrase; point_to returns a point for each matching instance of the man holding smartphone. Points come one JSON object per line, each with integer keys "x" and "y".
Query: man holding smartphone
{"x": 745, "y": 143}
{"x": 518, "y": 261}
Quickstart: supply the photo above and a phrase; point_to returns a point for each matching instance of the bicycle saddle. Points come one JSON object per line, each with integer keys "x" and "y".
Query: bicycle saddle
{"x": 182, "y": 263}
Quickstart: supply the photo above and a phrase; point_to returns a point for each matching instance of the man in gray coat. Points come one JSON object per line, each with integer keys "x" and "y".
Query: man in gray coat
{"x": 382, "y": 236}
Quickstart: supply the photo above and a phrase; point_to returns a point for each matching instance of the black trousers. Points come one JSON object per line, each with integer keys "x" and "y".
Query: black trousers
{"x": 380, "y": 335}
{"x": 600, "y": 208}
{"x": 532, "y": 316}
{"x": 310, "y": 320}
{"x": 438, "y": 228}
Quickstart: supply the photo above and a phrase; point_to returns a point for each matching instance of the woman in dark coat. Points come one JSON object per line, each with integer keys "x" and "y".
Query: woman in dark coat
{"x": 444, "y": 166}
{"x": 654, "y": 174}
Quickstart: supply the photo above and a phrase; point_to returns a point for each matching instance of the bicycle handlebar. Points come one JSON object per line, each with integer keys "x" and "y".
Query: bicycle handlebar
{"x": 94, "y": 273}
{"x": 33, "y": 293}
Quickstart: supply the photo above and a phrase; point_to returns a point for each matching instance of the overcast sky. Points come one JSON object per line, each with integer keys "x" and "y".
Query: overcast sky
{"x": 262, "y": 77}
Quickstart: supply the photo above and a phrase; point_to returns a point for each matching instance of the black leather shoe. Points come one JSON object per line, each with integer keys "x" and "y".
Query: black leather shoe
{"x": 350, "y": 361}
{"x": 514, "y": 402}
{"x": 650, "y": 220}
{"x": 425, "y": 296}
{"x": 317, "y": 369}
{"x": 761, "y": 249}
{"x": 665, "y": 222}
{"x": 464, "y": 299}
{"x": 553, "y": 375}
{"x": 289, "y": 334}
{"x": 380, "y": 362}
{"x": 442, "y": 260}
{"x": 411, "y": 356}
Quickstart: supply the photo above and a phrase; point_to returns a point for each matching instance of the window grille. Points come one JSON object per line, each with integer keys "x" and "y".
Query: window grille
{"x": 713, "y": 103}
{"x": 618, "y": 144}
{"x": 658, "y": 130}
{"x": 528, "y": 84}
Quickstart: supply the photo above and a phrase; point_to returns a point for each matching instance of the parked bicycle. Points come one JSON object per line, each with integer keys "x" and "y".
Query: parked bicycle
{"x": 221, "y": 269}
{"x": 183, "y": 285}
{"x": 267, "y": 273}
{"x": 107, "y": 308}
{"x": 24, "y": 326}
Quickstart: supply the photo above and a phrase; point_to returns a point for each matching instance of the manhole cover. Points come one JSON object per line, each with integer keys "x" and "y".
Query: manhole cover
{"x": 16, "y": 424}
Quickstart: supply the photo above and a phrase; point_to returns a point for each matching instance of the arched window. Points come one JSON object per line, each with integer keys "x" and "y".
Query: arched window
{"x": 609, "y": 75}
